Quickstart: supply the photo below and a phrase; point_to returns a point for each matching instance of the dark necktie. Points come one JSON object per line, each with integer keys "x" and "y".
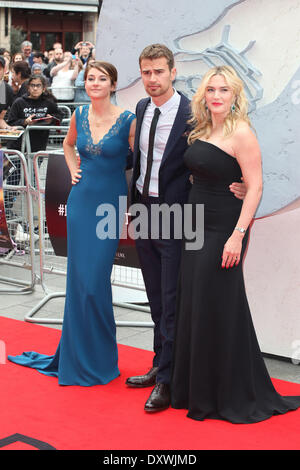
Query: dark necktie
{"x": 150, "y": 152}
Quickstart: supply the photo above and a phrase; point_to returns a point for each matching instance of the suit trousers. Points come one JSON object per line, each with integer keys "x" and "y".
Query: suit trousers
{"x": 160, "y": 261}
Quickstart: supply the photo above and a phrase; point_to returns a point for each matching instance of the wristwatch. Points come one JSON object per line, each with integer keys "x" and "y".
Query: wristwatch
{"x": 240, "y": 229}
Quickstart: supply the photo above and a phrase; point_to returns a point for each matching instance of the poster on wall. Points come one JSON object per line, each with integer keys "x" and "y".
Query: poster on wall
{"x": 6, "y": 168}
{"x": 228, "y": 32}
{"x": 58, "y": 187}
{"x": 205, "y": 34}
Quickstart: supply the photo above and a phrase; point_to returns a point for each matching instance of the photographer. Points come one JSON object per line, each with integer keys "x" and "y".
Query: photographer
{"x": 84, "y": 50}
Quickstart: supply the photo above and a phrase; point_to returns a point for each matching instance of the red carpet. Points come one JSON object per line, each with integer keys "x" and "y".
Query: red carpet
{"x": 35, "y": 407}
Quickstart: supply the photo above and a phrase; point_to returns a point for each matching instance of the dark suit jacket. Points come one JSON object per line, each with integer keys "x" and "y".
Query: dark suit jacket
{"x": 174, "y": 182}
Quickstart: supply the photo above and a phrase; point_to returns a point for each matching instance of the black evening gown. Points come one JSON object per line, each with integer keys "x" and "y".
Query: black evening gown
{"x": 218, "y": 370}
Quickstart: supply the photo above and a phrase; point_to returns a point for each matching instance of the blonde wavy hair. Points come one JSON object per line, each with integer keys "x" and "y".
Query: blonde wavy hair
{"x": 201, "y": 118}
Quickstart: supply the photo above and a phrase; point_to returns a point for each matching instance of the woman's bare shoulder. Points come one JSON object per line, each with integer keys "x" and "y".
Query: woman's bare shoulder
{"x": 244, "y": 131}
{"x": 245, "y": 141}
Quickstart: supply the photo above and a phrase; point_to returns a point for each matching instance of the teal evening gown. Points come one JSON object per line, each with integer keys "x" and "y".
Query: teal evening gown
{"x": 87, "y": 353}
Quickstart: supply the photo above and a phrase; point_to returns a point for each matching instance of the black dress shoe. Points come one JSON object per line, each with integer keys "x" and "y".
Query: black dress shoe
{"x": 140, "y": 381}
{"x": 159, "y": 399}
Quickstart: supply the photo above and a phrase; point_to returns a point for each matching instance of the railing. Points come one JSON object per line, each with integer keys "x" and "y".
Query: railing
{"x": 18, "y": 261}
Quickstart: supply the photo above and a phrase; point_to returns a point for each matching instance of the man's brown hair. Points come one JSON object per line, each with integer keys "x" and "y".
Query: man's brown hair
{"x": 156, "y": 51}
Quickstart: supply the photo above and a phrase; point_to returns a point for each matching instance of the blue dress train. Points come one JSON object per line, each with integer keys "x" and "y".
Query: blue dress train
{"x": 87, "y": 353}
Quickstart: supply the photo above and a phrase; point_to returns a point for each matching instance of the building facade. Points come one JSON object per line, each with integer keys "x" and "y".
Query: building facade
{"x": 49, "y": 21}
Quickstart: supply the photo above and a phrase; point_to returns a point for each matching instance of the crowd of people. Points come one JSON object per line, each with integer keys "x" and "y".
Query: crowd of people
{"x": 32, "y": 84}
{"x": 61, "y": 72}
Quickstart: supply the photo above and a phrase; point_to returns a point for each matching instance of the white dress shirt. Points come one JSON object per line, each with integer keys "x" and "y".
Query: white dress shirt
{"x": 165, "y": 122}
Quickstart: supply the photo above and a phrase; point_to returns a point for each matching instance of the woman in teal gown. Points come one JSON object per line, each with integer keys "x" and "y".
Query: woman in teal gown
{"x": 87, "y": 353}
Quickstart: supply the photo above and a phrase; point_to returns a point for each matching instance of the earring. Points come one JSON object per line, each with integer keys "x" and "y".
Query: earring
{"x": 232, "y": 108}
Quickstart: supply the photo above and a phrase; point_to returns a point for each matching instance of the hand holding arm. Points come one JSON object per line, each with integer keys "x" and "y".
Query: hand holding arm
{"x": 238, "y": 189}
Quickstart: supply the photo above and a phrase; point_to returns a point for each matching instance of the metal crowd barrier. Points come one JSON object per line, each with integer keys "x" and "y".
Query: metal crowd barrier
{"x": 55, "y": 141}
{"x": 66, "y": 112}
{"x": 19, "y": 218}
{"x": 50, "y": 264}
{"x": 64, "y": 94}
{"x": 67, "y": 93}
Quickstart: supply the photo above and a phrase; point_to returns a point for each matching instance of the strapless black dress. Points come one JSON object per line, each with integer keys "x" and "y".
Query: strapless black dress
{"x": 218, "y": 370}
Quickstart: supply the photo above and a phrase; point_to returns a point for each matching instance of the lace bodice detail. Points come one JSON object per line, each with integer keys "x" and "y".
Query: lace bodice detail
{"x": 120, "y": 129}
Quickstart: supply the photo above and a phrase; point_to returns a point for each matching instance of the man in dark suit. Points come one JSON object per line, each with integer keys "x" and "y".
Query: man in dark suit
{"x": 160, "y": 176}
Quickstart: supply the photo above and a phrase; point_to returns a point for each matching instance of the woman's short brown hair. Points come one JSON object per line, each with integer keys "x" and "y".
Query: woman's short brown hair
{"x": 105, "y": 67}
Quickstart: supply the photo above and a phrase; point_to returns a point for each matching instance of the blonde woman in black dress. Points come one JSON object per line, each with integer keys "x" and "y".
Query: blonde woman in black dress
{"x": 218, "y": 369}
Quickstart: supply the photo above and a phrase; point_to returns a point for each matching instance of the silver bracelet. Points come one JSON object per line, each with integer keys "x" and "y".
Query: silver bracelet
{"x": 240, "y": 229}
